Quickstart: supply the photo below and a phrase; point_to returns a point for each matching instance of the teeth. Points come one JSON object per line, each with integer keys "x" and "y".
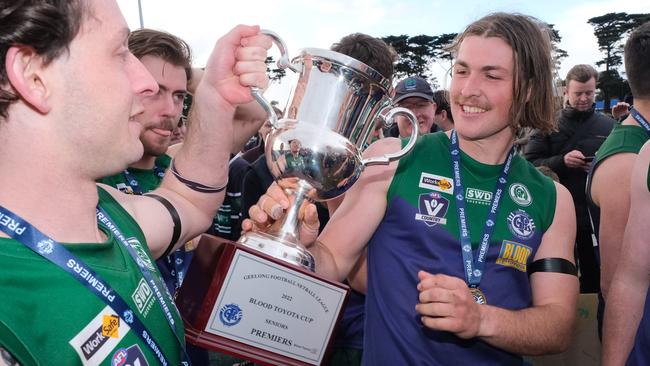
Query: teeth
{"x": 470, "y": 109}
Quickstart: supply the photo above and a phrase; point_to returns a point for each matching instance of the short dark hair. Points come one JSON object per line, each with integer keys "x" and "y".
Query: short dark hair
{"x": 47, "y": 26}
{"x": 441, "y": 98}
{"x": 637, "y": 61}
{"x": 149, "y": 42}
{"x": 532, "y": 95}
{"x": 581, "y": 73}
{"x": 370, "y": 50}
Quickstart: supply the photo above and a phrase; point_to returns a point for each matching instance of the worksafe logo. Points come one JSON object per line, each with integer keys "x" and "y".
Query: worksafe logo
{"x": 514, "y": 255}
{"x": 110, "y": 326}
{"x": 433, "y": 209}
{"x": 99, "y": 337}
{"x": 436, "y": 183}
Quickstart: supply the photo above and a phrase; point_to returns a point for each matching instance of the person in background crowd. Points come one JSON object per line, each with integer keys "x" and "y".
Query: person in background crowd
{"x": 569, "y": 152}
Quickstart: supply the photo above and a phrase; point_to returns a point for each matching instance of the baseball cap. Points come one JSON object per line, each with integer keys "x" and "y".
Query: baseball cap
{"x": 413, "y": 86}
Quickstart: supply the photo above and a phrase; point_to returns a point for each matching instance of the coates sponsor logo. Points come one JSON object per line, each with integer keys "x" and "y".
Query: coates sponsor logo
{"x": 478, "y": 196}
{"x": 433, "y": 209}
{"x": 436, "y": 183}
{"x": 99, "y": 337}
{"x": 514, "y": 255}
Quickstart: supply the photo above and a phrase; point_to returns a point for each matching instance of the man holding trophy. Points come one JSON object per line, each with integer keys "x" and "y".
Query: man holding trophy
{"x": 470, "y": 249}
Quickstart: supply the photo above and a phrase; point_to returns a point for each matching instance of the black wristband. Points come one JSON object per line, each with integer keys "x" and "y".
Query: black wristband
{"x": 175, "y": 218}
{"x": 557, "y": 265}
{"x": 196, "y": 186}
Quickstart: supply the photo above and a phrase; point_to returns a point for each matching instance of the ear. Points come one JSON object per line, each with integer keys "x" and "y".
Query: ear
{"x": 25, "y": 73}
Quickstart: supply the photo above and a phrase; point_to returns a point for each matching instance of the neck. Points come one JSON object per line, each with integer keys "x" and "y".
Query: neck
{"x": 641, "y": 106}
{"x": 492, "y": 150}
{"x": 53, "y": 196}
{"x": 60, "y": 206}
{"x": 147, "y": 162}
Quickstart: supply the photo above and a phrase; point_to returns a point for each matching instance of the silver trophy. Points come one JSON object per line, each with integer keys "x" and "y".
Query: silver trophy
{"x": 329, "y": 121}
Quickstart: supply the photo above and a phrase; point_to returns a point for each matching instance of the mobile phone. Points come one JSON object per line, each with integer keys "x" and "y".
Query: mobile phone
{"x": 588, "y": 158}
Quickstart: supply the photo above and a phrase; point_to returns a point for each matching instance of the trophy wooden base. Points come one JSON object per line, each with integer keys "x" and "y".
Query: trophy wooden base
{"x": 239, "y": 301}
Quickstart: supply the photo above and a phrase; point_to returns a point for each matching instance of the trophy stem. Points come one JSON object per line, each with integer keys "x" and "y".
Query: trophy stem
{"x": 289, "y": 227}
{"x": 282, "y": 240}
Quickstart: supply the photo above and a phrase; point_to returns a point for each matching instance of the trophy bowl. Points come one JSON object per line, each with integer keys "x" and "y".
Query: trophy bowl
{"x": 332, "y": 112}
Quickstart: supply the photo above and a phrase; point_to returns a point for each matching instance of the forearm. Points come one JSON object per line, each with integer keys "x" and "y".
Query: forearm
{"x": 533, "y": 331}
{"x": 609, "y": 255}
{"x": 249, "y": 118}
{"x": 623, "y": 313}
{"x": 204, "y": 155}
{"x": 326, "y": 265}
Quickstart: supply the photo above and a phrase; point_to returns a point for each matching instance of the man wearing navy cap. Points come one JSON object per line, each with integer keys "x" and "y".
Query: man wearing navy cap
{"x": 415, "y": 94}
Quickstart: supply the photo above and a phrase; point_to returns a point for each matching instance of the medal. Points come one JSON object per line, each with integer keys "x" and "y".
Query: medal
{"x": 478, "y": 295}
{"x": 474, "y": 266}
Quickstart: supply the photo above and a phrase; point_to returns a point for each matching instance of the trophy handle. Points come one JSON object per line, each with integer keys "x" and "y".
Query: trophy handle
{"x": 389, "y": 119}
{"x": 283, "y": 63}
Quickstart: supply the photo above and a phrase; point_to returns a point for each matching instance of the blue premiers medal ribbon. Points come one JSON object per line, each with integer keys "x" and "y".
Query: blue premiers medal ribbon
{"x": 639, "y": 118}
{"x": 474, "y": 266}
{"x": 22, "y": 231}
{"x": 152, "y": 279}
{"x": 176, "y": 259}
{"x": 133, "y": 183}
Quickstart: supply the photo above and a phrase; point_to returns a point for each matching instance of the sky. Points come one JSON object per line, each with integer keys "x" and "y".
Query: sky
{"x": 320, "y": 23}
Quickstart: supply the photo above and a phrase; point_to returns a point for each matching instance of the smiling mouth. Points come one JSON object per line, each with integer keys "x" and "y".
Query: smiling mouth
{"x": 472, "y": 109}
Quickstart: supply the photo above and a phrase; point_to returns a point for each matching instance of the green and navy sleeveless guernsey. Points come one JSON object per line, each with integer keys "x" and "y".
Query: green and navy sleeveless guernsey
{"x": 147, "y": 179}
{"x": 623, "y": 139}
{"x": 420, "y": 231}
{"x": 48, "y": 318}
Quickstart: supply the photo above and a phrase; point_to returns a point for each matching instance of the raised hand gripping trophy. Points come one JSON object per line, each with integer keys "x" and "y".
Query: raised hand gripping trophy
{"x": 259, "y": 298}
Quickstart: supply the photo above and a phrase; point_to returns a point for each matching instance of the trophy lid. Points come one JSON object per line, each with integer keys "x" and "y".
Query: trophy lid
{"x": 344, "y": 60}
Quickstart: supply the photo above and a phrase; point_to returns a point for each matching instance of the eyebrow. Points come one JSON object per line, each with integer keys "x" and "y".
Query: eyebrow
{"x": 163, "y": 88}
{"x": 484, "y": 68}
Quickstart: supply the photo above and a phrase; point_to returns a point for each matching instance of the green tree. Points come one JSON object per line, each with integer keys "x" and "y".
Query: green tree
{"x": 610, "y": 30}
{"x": 558, "y": 54}
{"x": 415, "y": 53}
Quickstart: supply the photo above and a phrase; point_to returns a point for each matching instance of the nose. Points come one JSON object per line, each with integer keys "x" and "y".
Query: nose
{"x": 170, "y": 107}
{"x": 471, "y": 85}
{"x": 142, "y": 82}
